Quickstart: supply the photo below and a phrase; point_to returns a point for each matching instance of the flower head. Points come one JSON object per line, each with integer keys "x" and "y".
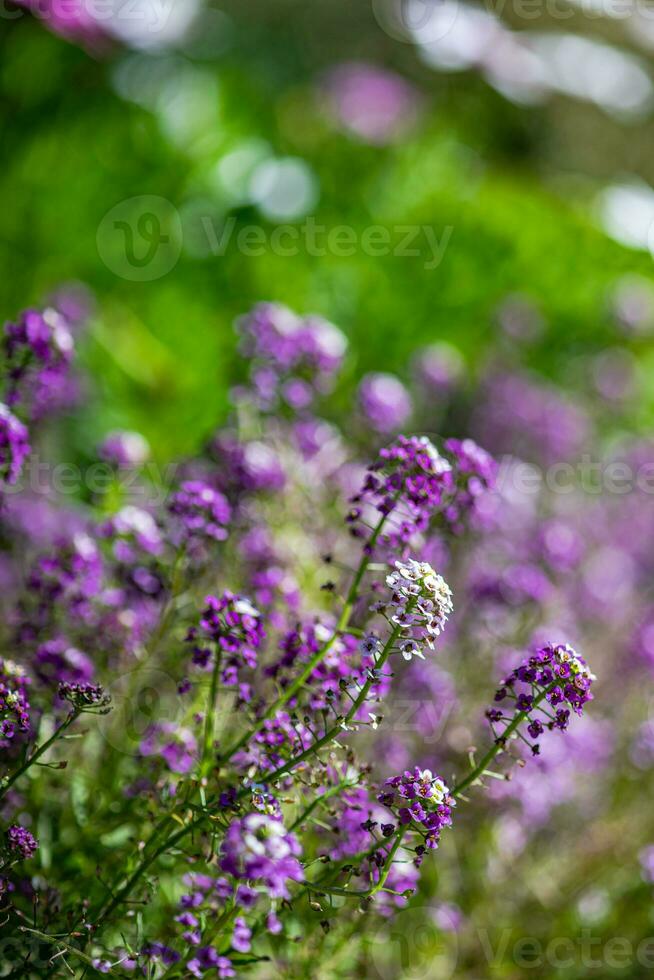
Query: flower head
{"x": 556, "y": 675}
{"x": 385, "y": 402}
{"x": 475, "y": 474}
{"x": 201, "y": 512}
{"x": 419, "y": 797}
{"x": 19, "y": 843}
{"x": 39, "y": 348}
{"x": 420, "y": 603}
{"x": 234, "y": 626}
{"x": 258, "y": 847}
{"x": 124, "y": 449}
{"x": 84, "y": 696}
{"x": 408, "y": 483}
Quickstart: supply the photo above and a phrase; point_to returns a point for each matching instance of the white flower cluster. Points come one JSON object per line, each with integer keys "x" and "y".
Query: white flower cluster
{"x": 422, "y": 601}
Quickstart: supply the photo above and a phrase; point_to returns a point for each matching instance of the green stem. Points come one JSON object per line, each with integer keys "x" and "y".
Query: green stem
{"x": 59, "y": 942}
{"x": 332, "y": 791}
{"x": 498, "y": 747}
{"x": 320, "y": 655}
{"x": 138, "y": 873}
{"x": 36, "y": 755}
{"x": 338, "y": 727}
{"x": 389, "y": 863}
{"x": 209, "y": 722}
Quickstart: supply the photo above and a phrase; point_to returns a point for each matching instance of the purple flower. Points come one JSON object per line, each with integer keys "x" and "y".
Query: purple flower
{"x": 421, "y": 797}
{"x": 292, "y": 357}
{"x": 408, "y": 483}
{"x": 258, "y": 847}
{"x": 73, "y": 19}
{"x": 57, "y": 661}
{"x": 234, "y": 626}
{"x": 14, "y": 706}
{"x": 246, "y": 467}
{"x": 530, "y": 420}
{"x": 14, "y": 446}
{"x": 102, "y": 966}
{"x": 555, "y": 674}
{"x": 439, "y": 369}
{"x": 208, "y": 959}
{"x": 385, "y": 402}
{"x": 646, "y": 858}
{"x": 200, "y": 511}
{"x": 475, "y": 474}
{"x": 177, "y": 746}
{"x": 20, "y": 843}
{"x": 242, "y": 935}
{"x": 273, "y": 925}
{"x": 39, "y": 341}
{"x": 374, "y": 104}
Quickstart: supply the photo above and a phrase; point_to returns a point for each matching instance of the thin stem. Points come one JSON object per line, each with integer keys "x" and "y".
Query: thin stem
{"x": 332, "y": 791}
{"x": 389, "y": 863}
{"x": 138, "y": 873}
{"x": 209, "y": 721}
{"x": 498, "y": 747}
{"x": 6, "y": 785}
{"x": 59, "y": 942}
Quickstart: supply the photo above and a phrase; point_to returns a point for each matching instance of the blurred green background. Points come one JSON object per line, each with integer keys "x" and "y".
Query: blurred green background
{"x": 516, "y": 185}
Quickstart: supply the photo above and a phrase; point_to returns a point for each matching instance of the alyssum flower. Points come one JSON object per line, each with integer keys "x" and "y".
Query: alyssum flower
{"x": 554, "y": 677}
{"x": 258, "y": 847}
{"x": 420, "y": 603}
{"x": 420, "y": 798}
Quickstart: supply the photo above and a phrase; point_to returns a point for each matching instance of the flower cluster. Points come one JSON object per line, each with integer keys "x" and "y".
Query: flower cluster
{"x": 419, "y": 604}
{"x": 292, "y": 704}
{"x": 475, "y": 472}
{"x": 291, "y": 356}
{"x": 38, "y": 350}
{"x": 556, "y": 676}
{"x": 385, "y": 402}
{"x": 14, "y": 706}
{"x": 258, "y": 848}
{"x": 410, "y": 481}
{"x": 420, "y": 800}
{"x": 201, "y": 513}
{"x": 177, "y": 746}
{"x": 125, "y": 450}
{"x": 234, "y": 627}
{"x": 84, "y": 696}
{"x": 58, "y": 661}
{"x": 19, "y": 843}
